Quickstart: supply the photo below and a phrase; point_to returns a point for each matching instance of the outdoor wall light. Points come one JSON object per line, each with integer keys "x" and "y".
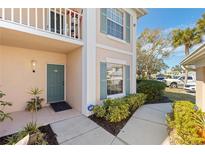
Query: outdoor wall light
{"x": 33, "y": 64}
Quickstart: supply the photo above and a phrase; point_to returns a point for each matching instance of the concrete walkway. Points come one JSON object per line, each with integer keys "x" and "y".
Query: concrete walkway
{"x": 81, "y": 131}
{"x": 44, "y": 116}
{"x": 146, "y": 126}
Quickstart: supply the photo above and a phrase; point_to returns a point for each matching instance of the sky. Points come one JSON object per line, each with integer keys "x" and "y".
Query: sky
{"x": 167, "y": 20}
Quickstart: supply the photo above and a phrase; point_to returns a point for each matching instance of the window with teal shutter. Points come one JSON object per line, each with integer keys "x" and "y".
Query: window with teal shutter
{"x": 127, "y": 38}
{"x": 103, "y": 20}
{"x": 127, "y": 79}
{"x": 103, "y": 80}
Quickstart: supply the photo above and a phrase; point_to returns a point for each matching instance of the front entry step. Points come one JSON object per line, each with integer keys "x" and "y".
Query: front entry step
{"x": 60, "y": 106}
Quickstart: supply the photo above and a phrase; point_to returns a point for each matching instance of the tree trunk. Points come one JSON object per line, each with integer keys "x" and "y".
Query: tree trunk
{"x": 186, "y": 71}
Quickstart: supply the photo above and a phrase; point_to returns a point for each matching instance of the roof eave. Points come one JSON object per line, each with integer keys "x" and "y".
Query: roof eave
{"x": 141, "y": 12}
{"x": 193, "y": 55}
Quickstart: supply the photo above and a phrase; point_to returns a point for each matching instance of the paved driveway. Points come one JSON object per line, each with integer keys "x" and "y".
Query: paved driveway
{"x": 146, "y": 126}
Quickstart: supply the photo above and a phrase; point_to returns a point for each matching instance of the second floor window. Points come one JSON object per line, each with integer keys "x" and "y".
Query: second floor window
{"x": 115, "y": 23}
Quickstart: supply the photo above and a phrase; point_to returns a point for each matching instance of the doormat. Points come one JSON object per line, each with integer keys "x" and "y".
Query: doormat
{"x": 60, "y": 106}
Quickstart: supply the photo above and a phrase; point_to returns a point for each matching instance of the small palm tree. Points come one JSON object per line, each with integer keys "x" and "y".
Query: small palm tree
{"x": 188, "y": 38}
{"x": 35, "y": 103}
{"x": 3, "y": 104}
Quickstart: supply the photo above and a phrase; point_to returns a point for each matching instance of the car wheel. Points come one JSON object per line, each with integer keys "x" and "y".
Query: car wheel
{"x": 173, "y": 85}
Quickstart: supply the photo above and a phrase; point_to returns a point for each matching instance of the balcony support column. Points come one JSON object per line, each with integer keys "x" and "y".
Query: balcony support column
{"x": 89, "y": 60}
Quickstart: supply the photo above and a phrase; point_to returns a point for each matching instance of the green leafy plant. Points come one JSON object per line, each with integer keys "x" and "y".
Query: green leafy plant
{"x": 183, "y": 123}
{"x": 99, "y": 111}
{"x": 153, "y": 89}
{"x": 35, "y": 135}
{"x": 31, "y": 128}
{"x": 35, "y": 103}
{"x": 116, "y": 110}
{"x": 135, "y": 100}
{"x": 16, "y": 138}
{"x": 3, "y": 104}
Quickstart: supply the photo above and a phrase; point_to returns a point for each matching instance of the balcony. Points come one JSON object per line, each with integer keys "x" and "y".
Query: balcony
{"x": 62, "y": 25}
{"x": 61, "y": 21}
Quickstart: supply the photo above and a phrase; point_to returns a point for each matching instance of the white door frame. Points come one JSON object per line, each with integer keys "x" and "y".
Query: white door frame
{"x": 65, "y": 81}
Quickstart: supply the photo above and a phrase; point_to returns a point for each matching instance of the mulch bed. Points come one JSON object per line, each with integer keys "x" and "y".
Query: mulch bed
{"x": 50, "y": 136}
{"x": 3, "y": 140}
{"x": 113, "y": 127}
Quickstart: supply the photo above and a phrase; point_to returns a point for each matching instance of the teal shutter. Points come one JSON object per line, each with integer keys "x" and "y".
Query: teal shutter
{"x": 103, "y": 20}
{"x": 127, "y": 17}
{"x": 103, "y": 80}
{"x": 127, "y": 79}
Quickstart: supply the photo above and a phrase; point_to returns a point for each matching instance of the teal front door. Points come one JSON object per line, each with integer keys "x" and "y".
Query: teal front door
{"x": 55, "y": 83}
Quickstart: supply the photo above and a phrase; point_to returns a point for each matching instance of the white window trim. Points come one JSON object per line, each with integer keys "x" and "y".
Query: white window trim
{"x": 121, "y": 62}
{"x": 116, "y": 95}
{"x": 117, "y": 39}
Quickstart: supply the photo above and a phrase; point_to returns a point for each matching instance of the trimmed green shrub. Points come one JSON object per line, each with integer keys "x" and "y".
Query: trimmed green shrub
{"x": 183, "y": 123}
{"x": 153, "y": 89}
{"x": 99, "y": 111}
{"x": 135, "y": 100}
{"x": 116, "y": 110}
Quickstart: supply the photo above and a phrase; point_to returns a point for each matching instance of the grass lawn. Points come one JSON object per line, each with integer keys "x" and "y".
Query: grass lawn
{"x": 175, "y": 94}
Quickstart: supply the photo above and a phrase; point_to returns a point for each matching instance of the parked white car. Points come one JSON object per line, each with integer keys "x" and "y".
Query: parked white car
{"x": 178, "y": 81}
{"x": 190, "y": 87}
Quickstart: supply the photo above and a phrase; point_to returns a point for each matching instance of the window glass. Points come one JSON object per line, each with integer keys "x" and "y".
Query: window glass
{"x": 115, "y": 23}
{"x": 114, "y": 79}
{"x": 57, "y": 19}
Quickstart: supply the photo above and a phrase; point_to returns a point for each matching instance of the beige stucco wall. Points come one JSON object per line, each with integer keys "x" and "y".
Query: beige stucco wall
{"x": 74, "y": 78}
{"x": 16, "y": 76}
{"x": 101, "y": 38}
{"x": 101, "y": 56}
{"x": 200, "y": 87}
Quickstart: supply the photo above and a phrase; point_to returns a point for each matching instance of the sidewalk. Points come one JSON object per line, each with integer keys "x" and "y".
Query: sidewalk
{"x": 146, "y": 126}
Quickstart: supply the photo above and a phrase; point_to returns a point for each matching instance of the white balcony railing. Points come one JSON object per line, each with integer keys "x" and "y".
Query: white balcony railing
{"x": 61, "y": 21}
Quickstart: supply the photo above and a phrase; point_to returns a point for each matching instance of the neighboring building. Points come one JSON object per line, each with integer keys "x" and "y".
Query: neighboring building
{"x": 81, "y": 56}
{"x": 196, "y": 62}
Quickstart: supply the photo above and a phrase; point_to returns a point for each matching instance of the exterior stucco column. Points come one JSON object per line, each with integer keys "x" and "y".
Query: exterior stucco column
{"x": 133, "y": 75}
{"x": 200, "y": 88}
{"x": 89, "y": 60}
